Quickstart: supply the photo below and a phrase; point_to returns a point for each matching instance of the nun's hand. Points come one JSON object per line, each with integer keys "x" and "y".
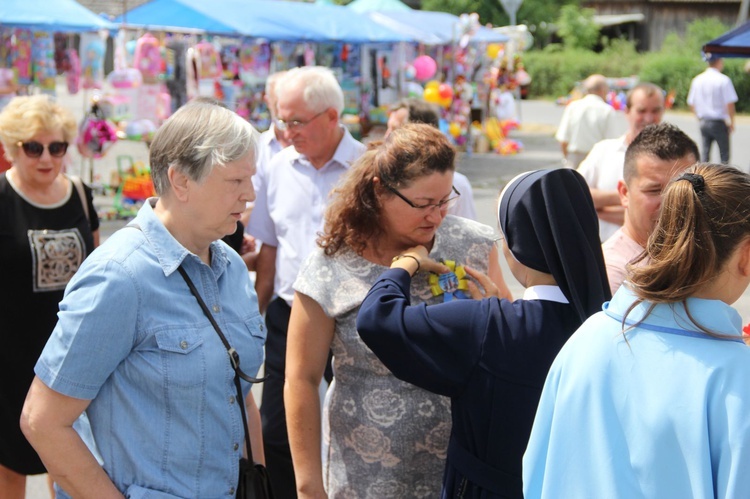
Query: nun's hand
{"x": 487, "y": 289}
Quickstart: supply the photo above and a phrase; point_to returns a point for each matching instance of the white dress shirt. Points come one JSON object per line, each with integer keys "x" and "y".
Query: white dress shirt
{"x": 710, "y": 93}
{"x": 602, "y": 169}
{"x": 290, "y": 205}
{"x": 585, "y": 122}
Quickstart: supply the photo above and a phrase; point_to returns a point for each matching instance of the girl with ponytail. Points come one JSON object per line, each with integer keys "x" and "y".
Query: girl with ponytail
{"x": 651, "y": 397}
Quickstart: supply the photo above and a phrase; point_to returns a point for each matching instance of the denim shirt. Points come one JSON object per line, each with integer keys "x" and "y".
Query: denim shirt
{"x": 132, "y": 339}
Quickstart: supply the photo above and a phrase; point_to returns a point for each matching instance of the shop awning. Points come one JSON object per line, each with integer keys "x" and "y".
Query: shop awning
{"x": 431, "y": 28}
{"x": 269, "y": 19}
{"x": 50, "y": 15}
{"x": 734, "y": 43}
{"x": 605, "y": 20}
{"x": 377, "y": 5}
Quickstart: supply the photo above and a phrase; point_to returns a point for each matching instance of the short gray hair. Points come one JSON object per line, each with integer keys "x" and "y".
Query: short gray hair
{"x": 199, "y": 136}
{"x": 320, "y": 88}
{"x": 273, "y": 80}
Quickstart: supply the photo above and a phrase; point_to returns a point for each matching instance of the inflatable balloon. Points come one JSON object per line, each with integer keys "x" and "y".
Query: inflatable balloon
{"x": 425, "y": 67}
{"x": 454, "y": 129}
{"x": 493, "y": 49}
{"x": 432, "y": 95}
{"x": 414, "y": 89}
{"x": 445, "y": 91}
{"x": 409, "y": 72}
{"x": 444, "y": 102}
{"x": 432, "y": 84}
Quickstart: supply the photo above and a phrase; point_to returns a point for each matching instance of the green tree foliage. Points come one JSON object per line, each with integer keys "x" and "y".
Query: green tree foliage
{"x": 577, "y": 28}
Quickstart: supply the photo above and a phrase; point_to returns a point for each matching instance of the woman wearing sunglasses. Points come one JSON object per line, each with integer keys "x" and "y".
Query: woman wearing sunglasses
{"x": 45, "y": 234}
{"x": 382, "y": 437}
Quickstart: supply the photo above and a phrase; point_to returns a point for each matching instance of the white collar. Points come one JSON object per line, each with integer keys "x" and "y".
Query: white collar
{"x": 548, "y": 293}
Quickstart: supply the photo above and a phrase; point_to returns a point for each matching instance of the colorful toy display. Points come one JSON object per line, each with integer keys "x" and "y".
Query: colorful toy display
{"x": 92, "y": 61}
{"x": 43, "y": 57}
{"x": 148, "y": 59}
{"x": 22, "y": 59}
{"x": 73, "y": 71}
{"x": 95, "y": 135}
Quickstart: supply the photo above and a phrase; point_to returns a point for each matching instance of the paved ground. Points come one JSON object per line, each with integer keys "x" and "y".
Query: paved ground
{"x": 488, "y": 174}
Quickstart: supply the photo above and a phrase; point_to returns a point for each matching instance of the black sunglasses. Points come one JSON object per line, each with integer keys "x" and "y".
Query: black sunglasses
{"x": 34, "y": 149}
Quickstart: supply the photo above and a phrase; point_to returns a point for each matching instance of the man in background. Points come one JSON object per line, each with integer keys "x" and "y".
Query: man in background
{"x": 288, "y": 214}
{"x": 586, "y": 121}
{"x": 711, "y": 98}
{"x": 602, "y": 168}
{"x": 652, "y": 159}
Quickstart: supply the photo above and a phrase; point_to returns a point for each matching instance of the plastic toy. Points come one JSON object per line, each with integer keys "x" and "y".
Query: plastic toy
{"x": 147, "y": 58}
{"x": 96, "y": 135}
{"x": 22, "y": 60}
{"x": 73, "y": 73}
{"x": 92, "y": 60}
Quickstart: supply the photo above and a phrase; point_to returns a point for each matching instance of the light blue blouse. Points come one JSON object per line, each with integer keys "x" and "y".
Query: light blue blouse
{"x": 132, "y": 339}
{"x": 664, "y": 414}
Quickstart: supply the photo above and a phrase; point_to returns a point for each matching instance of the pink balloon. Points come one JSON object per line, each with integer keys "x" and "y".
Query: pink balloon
{"x": 425, "y": 67}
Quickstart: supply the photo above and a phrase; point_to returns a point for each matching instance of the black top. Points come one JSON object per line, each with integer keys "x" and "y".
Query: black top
{"x": 41, "y": 247}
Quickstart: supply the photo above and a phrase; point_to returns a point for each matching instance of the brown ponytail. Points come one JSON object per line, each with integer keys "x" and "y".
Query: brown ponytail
{"x": 704, "y": 216}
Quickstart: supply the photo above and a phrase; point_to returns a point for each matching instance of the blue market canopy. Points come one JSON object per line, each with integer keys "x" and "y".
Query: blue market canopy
{"x": 734, "y": 43}
{"x": 431, "y": 28}
{"x": 269, "y": 19}
{"x": 176, "y": 15}
{"x": 50, "y": 15}
{"x": 379, "y": 5}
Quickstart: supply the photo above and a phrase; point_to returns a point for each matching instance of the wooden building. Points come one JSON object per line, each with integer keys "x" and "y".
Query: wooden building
{"x": 660, "y": 17}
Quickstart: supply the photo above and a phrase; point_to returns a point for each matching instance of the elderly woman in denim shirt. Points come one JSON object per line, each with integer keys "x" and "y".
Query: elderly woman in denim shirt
{"x": 132, "y": 347}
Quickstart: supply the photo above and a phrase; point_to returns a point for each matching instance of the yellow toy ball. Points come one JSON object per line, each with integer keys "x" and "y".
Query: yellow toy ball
{"x": 432, "y": 84}
{"x": 493, "y": 49}
{"x": 454, "y": 129}
{"x": 432, "y": 95}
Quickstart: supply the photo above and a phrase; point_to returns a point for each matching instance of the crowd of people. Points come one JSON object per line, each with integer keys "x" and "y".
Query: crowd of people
{"x": 396, "y": 362}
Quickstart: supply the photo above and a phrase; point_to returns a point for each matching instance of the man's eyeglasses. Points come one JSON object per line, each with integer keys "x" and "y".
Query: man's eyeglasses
{"x": 446, "y": 203}
{"x": 296, "y": 124}
{"x": 34, "y": 149}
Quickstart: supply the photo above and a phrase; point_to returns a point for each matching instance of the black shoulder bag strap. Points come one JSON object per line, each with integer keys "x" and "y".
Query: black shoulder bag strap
{"x": 234, "y": 359}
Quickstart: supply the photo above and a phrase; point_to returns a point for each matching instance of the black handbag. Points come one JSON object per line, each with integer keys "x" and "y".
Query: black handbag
{"x": 253, "y": 481}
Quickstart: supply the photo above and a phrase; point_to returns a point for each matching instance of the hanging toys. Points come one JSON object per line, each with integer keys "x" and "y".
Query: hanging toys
{"x": 22, "y": 59}
{"x": 73, "y": 71}
{"x": 209, "y": 62}
{"x": 95, "y": 135}
{"x": 43, "y": 56}
{"x": 92, "y": 60}
{"x": 147, "y": 58}
{"x": 452, "y": 285}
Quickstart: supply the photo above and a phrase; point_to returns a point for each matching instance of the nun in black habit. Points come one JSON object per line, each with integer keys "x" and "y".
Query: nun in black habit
{"x": 490, "y": 355}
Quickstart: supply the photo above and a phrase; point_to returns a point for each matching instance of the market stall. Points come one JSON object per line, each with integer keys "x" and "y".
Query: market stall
{"x": 733, "y": 43}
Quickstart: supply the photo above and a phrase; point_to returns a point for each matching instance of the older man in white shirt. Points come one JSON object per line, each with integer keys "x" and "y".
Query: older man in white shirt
{"x": 586, "y": 121}
{"x": 287, "y": 217}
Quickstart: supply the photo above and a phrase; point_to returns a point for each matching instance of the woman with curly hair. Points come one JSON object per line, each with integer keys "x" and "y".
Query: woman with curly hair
{"x": 381, "y": 437}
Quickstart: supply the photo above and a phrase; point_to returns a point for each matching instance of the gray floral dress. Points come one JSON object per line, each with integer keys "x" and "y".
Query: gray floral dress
{"x": 382, "y": 438}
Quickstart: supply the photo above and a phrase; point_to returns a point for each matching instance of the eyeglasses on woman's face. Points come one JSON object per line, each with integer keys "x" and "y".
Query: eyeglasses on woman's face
{"x": 296, "y": 124}
{"x": 442, "y": 205}
{"x": 34, "y": 149}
